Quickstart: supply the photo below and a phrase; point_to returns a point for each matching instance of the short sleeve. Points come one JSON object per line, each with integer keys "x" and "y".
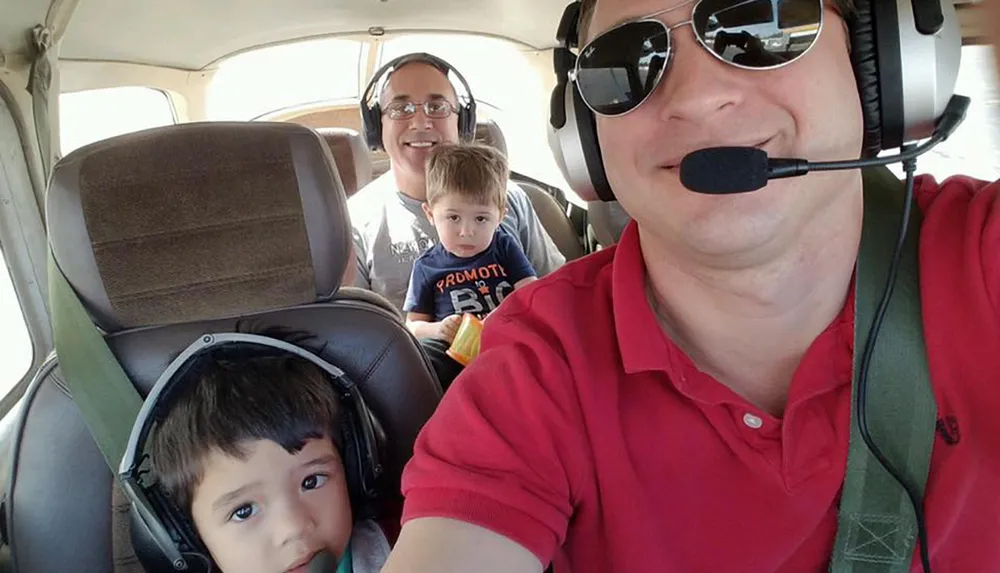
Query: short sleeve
{"x": 419, "y": 295}
{"x": 505, "y": 449}
{"x": 361, "y": 276}
{"x": 962, "y": 218}
{"x": 514, "y": 260}
{"x": 540, "y": 249}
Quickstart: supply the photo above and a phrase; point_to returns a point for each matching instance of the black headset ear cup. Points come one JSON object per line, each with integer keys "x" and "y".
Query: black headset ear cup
{"x": 371, "y": 124}
{"x": 467, "y": 121}
{"x": 586, "y": 127}
{"x": 146, "y": 551}
{"x": 358, "y": 475}
{"x": 180, "y": 529}
{"x": 864, "y": 58}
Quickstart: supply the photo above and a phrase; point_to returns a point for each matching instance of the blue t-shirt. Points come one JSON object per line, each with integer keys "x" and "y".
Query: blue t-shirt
{"x": 443, "y": 284}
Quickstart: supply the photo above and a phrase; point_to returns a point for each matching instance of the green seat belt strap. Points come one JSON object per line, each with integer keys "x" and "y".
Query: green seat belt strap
{"x": 101, "y": 390}
{"x": 877, "y": 527}
{"x": 105, "y": 396}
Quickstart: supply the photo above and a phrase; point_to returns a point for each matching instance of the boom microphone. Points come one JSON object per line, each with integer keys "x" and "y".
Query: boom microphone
{"x": 726, "y": 170}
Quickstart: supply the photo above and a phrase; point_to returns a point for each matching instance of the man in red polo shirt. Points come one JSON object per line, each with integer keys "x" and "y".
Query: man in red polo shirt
{"x": 682, "y": 402}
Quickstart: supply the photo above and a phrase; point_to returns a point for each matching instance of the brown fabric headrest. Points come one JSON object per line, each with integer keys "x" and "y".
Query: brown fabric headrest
{"x": 354, "y": 161}
{"x": 488, "y": 133}
{"x": 199, "y": 221}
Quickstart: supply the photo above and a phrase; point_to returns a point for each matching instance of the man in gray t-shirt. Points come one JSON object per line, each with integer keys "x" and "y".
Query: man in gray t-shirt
{"x": 419, "y": 108}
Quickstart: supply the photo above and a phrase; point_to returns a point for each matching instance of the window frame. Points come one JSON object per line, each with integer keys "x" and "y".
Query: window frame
{"x": 171, "y": 108}
{"x": 23, "y": 238}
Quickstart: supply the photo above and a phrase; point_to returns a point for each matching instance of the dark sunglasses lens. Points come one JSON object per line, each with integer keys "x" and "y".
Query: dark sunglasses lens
{"x": 758, "y": 33}
{"x": 618, "y": 69}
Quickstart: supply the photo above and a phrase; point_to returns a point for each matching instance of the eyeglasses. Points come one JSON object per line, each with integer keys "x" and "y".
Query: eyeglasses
{"x": 434, "y": 109}
{"x": 618, "y": 70}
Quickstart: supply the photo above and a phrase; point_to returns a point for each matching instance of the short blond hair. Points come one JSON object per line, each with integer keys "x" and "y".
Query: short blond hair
{"x": 474, "y": 171}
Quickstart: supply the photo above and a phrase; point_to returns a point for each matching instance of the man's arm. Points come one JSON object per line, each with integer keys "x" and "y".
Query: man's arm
{"x": 513, "y": 258}
{"x": 440, "y": 545}
{"x": 360, "y": 278}
{"x": 423, "y": 326}
{"x": 496, "y": 471}
{"x": 524, "y": 281}
{"x": 539, "y": 247}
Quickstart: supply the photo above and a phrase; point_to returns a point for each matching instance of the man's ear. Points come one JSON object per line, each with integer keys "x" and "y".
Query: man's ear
{"x": 427, "y": 212}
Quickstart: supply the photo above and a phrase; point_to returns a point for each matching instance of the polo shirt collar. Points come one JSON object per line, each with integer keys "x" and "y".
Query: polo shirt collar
{"x": 645, "y": 347}
{"x": 642, "y": 343}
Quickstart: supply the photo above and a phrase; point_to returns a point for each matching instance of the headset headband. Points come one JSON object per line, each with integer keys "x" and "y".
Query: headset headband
{"x": 417, "y": 57}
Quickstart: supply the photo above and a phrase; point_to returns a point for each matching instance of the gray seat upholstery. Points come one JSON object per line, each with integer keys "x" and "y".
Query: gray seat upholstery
{"x": 354, "y": 161}
{"x": 171, "y": 233}
{"x": 552, "y": 216}
{"x": 607, "y": 220}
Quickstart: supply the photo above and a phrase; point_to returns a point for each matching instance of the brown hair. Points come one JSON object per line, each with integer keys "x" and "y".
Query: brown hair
{"x": 474, "y": 171}
{"x": 235, "y": 398}
{"x": 844, "y": 7}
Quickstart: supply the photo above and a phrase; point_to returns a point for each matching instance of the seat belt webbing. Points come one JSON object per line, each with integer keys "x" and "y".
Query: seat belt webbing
{"x": 101, "y": 390}
{"x": 877, "y": 528}
{"x": 105, "y": 396}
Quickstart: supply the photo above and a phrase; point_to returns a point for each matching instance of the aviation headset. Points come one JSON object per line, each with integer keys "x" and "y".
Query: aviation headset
{"x": 371, "y": 108}
{"x": 170, "y": 541}
{"x": 892, "y": 44}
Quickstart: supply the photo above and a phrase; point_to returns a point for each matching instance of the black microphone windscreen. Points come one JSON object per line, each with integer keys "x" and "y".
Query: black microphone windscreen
{"x": 723, "y": 170}
{"x": 323, "y": 562}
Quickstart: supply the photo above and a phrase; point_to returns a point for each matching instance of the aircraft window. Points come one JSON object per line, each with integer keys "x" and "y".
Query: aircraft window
{"x": 974, "y": 149}
{"x": 253, "y": 83}
{"x": 512, "y": 96}
{"x": 15, "y": 342}
{"x": 92, "y": 115}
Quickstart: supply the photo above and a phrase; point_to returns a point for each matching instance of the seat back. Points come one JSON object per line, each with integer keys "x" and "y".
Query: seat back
{"x": 607, "y": 220}
{"x": 354, "y": 162}
{"x": 171, "y": 233}
{"x": 552, "y": 216}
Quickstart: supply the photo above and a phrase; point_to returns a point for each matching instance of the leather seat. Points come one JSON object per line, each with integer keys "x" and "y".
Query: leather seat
{"x": 552, "y": 216}
{"x": 607, "y": 220}
{"x": 171, "y": 233}
{"x": 354, "y": 162}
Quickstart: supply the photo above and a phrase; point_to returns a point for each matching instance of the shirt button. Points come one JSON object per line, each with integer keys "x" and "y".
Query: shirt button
{"x": 752, "y": 421}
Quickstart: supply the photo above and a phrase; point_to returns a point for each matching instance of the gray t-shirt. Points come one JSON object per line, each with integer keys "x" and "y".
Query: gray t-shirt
{"x": 391, "y": 231}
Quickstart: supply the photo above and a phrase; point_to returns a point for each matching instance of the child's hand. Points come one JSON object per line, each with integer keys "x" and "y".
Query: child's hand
{"x": 448, "y": 328}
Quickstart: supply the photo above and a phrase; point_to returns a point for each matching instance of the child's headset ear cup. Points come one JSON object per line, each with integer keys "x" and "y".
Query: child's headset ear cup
{"x": 371, "y": 115}
{"x": 173, "y": 529}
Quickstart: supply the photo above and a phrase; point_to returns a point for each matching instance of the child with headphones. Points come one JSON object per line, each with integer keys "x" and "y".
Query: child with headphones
{"x": 476, "y": 263}
{"x": 255, "y": 452}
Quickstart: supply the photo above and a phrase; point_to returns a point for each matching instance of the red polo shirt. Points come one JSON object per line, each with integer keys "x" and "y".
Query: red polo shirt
{"x": 584, "y": 434}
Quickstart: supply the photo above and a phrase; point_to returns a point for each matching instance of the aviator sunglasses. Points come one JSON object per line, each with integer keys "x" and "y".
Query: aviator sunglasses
{"x": 619, "y": 69}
